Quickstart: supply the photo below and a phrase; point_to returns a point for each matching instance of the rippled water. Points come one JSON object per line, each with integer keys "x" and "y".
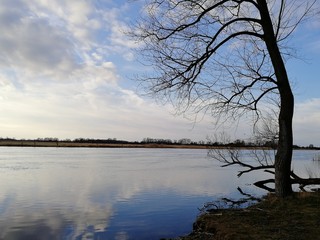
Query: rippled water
{"x": 82, "y": 193}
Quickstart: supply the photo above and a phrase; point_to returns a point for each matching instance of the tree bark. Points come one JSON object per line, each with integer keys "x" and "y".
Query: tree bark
{"x": 283, "y": 157}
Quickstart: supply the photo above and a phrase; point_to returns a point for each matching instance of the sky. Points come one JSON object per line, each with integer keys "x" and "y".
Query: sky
{"x": 67, "y": 70}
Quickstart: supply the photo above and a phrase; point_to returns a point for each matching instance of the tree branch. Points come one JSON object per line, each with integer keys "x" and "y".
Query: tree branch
{"x": 262, "y": 185}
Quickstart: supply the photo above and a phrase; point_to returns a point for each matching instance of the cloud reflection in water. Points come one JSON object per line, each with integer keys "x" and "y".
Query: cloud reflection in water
{"x": 49, "y": 193}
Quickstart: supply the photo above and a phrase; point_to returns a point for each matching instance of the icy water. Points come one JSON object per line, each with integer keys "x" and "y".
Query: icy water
{"x": 86, "y": 193}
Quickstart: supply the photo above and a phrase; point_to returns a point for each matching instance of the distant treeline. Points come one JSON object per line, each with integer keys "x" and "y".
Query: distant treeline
{"x": 160, "y": 141}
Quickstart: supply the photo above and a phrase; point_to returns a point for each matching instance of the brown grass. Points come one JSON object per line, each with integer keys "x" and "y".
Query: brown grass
{"x": 294, "y": 218}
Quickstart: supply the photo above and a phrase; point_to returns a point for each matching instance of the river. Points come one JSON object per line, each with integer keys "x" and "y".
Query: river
{"x": 113, "y": 193}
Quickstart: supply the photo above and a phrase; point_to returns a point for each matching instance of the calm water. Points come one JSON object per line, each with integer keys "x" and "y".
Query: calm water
{"x": 80, "y": 193}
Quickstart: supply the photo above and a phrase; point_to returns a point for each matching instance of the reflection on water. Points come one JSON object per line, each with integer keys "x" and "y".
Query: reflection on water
{"x": 56, "y": 193}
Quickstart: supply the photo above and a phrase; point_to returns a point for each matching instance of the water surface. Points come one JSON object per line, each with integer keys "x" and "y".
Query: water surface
{"x": 84, "y": 193}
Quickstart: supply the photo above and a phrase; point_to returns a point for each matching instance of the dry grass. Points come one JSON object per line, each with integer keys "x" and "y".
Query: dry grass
{"x": 294, "y": 218}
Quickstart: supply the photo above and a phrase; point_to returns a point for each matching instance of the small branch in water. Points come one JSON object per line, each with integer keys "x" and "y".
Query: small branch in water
{"x": 248, "y": 198}
{"x": 227, "y": 203}
{"x": 262, "y": 184}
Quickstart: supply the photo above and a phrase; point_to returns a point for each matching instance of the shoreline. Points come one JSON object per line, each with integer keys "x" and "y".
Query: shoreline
{"x": 63, "y": 144}
{"x": 296, "y": 217}
{"x": 72, "y": 144}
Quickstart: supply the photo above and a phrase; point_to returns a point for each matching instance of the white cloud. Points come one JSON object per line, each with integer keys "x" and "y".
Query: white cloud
{"x": 307, "y": 122}
{"x": 59, "y": 75}
{"x": 32, "y": 45}
{"x": 89, "y": 104}
{"x": 54, "y": 38}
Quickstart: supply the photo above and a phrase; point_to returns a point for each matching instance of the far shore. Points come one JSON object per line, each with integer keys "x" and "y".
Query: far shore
{"x": 65, "y": 144}
{"x": 119, "y": 144}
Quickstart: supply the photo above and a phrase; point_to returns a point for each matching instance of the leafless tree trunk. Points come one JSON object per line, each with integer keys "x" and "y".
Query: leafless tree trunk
{"x": 285, "y": 142}
{"x": 258, "y": 159}
{"x": 226, "y": 58}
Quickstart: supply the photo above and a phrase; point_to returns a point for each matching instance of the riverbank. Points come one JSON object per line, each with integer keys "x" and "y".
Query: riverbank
{"x": 66, "y": 144}
{"x": 294, "y": 218}
{"x": 114, "y": 143}
{"x": 117, "y": 144}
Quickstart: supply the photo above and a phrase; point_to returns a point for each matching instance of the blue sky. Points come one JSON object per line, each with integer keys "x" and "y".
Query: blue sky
{"x": 66, "y": 71}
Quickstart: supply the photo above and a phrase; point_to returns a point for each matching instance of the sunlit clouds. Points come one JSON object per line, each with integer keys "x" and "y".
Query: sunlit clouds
{"x": 58, "y": 77}
{"x": 66, "y": 70}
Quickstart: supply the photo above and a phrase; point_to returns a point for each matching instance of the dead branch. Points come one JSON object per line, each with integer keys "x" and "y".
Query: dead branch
{"x": 262, "y": 185}
{"x": 303, "y": 182}
{"x": 232, "y": 156}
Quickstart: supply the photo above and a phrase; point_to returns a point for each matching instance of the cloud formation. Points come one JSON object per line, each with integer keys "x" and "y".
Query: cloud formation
{"x": 58, "y": 76}
{"x": 64, "y": 70}
{"x": 307, "y": 122}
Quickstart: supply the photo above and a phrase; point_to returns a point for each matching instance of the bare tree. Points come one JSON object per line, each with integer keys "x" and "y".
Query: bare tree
{"x": 226, "y": 58}
{"x": 257, "y": 159}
